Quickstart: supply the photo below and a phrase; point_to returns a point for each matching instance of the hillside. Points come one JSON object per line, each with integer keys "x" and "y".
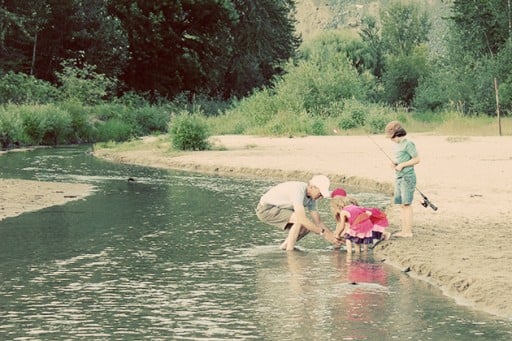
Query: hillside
{"x": 315, "y": 16}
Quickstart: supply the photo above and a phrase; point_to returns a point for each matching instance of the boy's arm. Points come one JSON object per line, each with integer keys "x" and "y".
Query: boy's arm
{"x": 412, "y": 162}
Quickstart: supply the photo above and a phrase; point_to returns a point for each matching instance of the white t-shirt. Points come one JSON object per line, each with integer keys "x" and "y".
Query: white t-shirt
{"x": 288, "y": 194}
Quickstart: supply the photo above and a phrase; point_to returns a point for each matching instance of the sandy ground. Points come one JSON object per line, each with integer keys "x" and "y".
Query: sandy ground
{"x": 462, "y": 248}
{"x": 20, "y": 196}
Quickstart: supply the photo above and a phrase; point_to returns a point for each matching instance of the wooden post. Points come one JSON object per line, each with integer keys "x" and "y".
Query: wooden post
{"x": 497, "y": 104}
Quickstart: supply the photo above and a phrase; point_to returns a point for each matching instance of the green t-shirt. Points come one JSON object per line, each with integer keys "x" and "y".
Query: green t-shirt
{"x": 404, "y": 151}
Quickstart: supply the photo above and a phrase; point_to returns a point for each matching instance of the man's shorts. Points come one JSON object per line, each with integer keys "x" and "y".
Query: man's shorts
{"x": 404, "y": 189}
{"x": 274, "y": 215}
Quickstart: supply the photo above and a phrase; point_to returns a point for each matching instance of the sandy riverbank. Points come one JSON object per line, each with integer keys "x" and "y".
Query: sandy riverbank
{"x": 462, "y": 248}
{"x": 20, "y": 196}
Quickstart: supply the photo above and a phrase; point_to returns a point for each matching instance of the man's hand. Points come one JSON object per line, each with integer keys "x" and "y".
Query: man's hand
{"x": 331, "y": 238}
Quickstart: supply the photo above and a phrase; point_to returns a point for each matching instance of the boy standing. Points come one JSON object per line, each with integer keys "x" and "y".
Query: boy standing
{"x": 406, "y": 157}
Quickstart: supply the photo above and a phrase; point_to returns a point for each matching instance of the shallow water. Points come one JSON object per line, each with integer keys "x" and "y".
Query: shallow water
{"x": 182, "y": 256}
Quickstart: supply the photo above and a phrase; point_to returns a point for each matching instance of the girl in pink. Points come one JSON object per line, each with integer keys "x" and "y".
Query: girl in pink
{"x": 358, "y": 225}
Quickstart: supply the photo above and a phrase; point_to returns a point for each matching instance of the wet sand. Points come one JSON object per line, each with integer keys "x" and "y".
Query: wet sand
{"x": 20, "y": 196}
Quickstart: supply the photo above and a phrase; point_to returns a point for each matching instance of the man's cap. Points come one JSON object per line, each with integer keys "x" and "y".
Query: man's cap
{"x": 338, "y": 192}
{"x": 323, "y": 183}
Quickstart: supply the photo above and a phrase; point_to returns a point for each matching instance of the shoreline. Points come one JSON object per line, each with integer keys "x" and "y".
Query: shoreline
{"x": 458, "y": 248}
{"x": 22, "y": 196}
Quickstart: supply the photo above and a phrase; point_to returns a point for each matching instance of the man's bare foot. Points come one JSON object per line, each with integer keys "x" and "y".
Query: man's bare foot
{"x": 386, "y": 235}
{"x": 403, "y": 235}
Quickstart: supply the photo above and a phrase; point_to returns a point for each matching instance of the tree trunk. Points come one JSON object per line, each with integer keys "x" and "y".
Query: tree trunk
{"x": 33, "y": 55}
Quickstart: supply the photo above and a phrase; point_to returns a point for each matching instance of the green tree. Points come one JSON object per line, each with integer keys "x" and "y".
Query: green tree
{"x": 404, "y": 27}
{"x": 403, "y": 75}
{"x": 176, "y": 46}
{"x": 483, "y": 27}
{"x": 264, "y": 38}
{"x": 480, "y": 32}
{"x": 36, "y": 36}
{"x": 20, "y": 24}
{"x": 373, "y": 55}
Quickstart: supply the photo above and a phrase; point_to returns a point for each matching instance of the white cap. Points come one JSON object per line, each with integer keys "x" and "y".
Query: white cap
{"x": 323, "y": 183}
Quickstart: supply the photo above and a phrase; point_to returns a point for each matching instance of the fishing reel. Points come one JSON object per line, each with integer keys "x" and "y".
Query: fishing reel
{"x": 426, "y": 203}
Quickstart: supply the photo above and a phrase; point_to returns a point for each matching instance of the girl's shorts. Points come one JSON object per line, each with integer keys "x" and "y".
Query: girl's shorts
{"x": 404, "y": 189}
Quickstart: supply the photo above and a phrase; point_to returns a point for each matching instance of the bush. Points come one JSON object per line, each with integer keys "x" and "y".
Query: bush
{"x": 402, "y": 77}
{"x": 83, "y": 84}
{"x": 81, "y": 129}
{"x": 346, "y": 122}
{"x": 317, "y": 127}
{"x": 357, "y": 112}
{"x": 287, "y": 123}
{"x": 45, "y": 124}
{"x": 113, "y": 130}
{"x": 189, "y": 132}
{"x": 19, "y": 88}
{"x": 56, "y": 126}
{"x": 11, "y": 130}
{"x": 260, "y": 107}
{"x": 151, "y": 119}
{"x": 376, "y": 123}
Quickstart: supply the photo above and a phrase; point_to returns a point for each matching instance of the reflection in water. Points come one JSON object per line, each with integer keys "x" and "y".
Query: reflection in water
{"x": 323, "y": 296}
{"x": 181, "y": 256}
{"x": 366, "y": 299}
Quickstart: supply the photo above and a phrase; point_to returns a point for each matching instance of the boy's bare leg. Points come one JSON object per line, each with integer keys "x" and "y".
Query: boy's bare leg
{"x": 406, "y": 215}
{"x": 365, "y": 248}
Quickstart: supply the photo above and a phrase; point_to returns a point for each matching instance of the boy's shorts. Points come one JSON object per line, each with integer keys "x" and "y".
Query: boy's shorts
{"x": 404, "y": 189}
{"x": 274, "y": 215}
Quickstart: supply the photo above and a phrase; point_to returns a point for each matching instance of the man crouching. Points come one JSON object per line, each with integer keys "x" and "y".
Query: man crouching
{"x": 285, "y": 205}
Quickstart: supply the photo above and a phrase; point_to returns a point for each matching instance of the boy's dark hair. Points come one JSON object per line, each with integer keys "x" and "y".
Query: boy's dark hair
{"x": 400, "y": 132}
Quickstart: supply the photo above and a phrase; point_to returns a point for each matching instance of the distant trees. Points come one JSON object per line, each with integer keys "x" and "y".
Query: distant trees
{"x": 480, "y": 51}
{"x": 219, "y": 48}
{"x": 226, "y": 49}
{"x": 263, "y": 38}
{"x": 36, "y": 36}
{"x": 409, "y": 72}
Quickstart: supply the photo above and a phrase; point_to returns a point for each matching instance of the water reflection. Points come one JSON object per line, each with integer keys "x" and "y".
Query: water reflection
{"x": 310, "y": 295}
{"x": 181, "y": 256}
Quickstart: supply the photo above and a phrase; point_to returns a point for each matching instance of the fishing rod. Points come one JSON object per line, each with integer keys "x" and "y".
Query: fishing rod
{"x": 426, "y": 202}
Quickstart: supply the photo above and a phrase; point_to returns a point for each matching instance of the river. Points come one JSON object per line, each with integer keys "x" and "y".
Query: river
{"x": 165, "y": 255}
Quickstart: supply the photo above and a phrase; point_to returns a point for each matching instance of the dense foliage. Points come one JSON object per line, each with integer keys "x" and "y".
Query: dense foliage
{"x": 211, "y": 47}
{"x": 84, "y": 71}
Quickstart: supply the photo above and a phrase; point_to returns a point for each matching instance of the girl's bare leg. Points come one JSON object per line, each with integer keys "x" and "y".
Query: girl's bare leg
{"x": 348, "y": 245}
